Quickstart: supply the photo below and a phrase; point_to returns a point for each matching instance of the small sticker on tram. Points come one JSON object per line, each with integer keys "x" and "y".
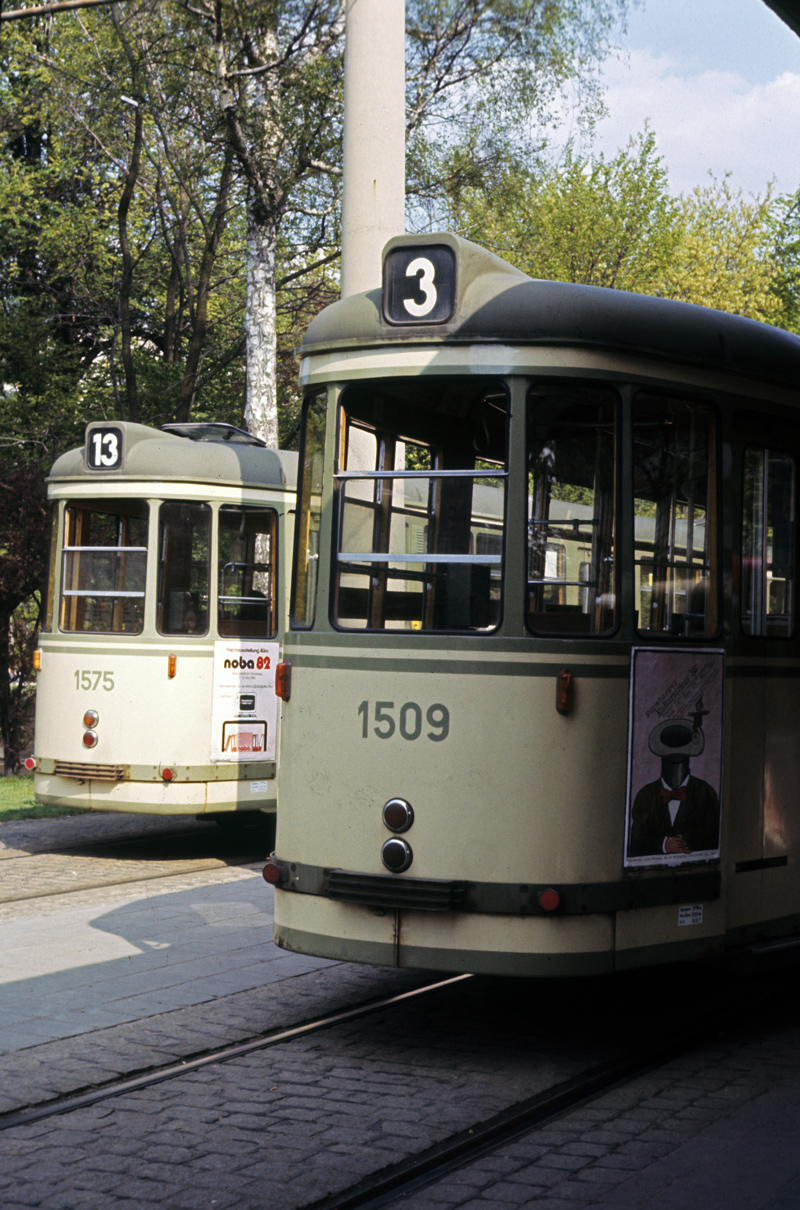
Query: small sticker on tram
{"x": 259, "y": 787}
{"x": 691, "y": 914}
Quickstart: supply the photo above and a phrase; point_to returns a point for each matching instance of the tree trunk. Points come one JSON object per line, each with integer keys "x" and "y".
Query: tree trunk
{"x": 261, "y": 407}
{"x": 6, "y": 720}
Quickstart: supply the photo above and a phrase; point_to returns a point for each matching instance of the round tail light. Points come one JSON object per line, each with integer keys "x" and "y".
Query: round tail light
{"x": 398, "y": 815}
{"x": 90, "y": 739}
{"x": 396, "y": 855}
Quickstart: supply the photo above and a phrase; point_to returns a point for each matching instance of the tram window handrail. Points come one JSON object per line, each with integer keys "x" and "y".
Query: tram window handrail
{"x": 498, "y": 474}
{"x": 127, "y": 549}
{"x": 99, "y": 592}
{"x": 263, "y": 600}
{"x": 567, "y": 583}
{"x": 368, "y": 557}
{"x": 573, "y": 523}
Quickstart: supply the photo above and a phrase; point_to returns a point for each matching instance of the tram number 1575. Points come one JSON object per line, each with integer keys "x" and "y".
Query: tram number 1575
{"x": 409, "y": 721}
{"x": 93, "y": 680}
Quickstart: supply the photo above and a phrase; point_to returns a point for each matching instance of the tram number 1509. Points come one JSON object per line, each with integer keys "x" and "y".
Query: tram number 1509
{"x": 409, "y": 720}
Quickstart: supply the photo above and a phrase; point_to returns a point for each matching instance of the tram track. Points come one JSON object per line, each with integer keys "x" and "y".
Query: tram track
{"x": 229, "y": 1073}
{"x": 157, "y": 1075}
{"x": 449, "y": 1156}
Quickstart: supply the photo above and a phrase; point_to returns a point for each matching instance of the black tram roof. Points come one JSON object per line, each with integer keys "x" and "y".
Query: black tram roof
{"x": 152, "y": 454}
{"x": 494, "y": 303}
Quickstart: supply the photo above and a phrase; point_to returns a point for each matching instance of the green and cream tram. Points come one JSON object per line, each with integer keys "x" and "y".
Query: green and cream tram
{"x": 165, "y": 606}
{"x": 543, "y": 645}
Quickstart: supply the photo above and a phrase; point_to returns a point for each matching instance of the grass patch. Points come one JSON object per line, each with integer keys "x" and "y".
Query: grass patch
{"x": 16, "y": 801}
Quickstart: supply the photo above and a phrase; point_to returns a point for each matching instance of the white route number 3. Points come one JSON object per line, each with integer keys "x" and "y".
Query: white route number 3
{"x": 422, "y": 268}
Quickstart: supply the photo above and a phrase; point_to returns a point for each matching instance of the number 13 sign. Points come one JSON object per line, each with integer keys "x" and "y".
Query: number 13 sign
{"x": 419, "y": 284}
{"x": 104, "y": 448}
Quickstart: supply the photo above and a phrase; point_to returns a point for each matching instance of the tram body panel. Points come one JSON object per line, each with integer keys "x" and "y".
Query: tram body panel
{"x": 500, "y": 945}
{"x": 641, "y": 537}
{"x": 145, "y": 716}
{"x": 503, "y": 733}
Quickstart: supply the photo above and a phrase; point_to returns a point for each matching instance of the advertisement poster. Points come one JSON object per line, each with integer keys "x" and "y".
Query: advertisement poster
{"x": 674, "y": 757}
{"x": 244, "y": 713}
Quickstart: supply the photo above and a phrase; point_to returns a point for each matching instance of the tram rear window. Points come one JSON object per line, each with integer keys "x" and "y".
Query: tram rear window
{"x": 104, "y": 565}
{"x": 183, "y": 574}
{"x": 572, "y": 510}
{"x": 421, "y": 506}
{"x": 768, "y": 543}
{"x": 246, "y": 572}
{"x": 674, "y": 489}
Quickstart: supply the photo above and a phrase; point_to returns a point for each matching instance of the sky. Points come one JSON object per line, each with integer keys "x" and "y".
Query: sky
{"x": 718, "y": 82}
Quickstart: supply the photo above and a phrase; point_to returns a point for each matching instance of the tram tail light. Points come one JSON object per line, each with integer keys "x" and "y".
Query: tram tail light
{"x": 37, "y": 659}
{"x": 283, "y": 680}
{"x": 167, "y": 774}
{"x": 172, "y": 665}
{"x": 273, "y": 874}
{"x": 565, "y": 692}
{"x": 29, "y": 764}
{"x": 549, "y": 899}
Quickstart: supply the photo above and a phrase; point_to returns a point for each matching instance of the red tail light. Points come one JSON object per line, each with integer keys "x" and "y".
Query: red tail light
{"x": 565, "y": 692}
{"x": 283, "y": 680}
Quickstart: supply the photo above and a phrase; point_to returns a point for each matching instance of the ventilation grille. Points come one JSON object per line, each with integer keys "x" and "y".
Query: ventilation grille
{"x": 72, "y": 768}
{"x": 388, "y": 891}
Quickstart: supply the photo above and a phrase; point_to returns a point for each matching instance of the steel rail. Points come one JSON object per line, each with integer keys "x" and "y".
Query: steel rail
{"x": 426, "y": 1167}
{"x": 157, "y": 1075}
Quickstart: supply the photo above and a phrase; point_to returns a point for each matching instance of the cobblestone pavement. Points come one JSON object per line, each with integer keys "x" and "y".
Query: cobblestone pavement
{"x": 287, "y": 1126}
{"x": 282, "y": 1127}
{"x": 718, "y": 1129}
{"x": 134, "y": 849}
{"x": 20, "y": 837}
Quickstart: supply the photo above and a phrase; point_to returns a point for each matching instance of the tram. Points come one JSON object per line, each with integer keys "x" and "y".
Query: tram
{"x": 543, "y": 644}
{"x": 167, "y": 587}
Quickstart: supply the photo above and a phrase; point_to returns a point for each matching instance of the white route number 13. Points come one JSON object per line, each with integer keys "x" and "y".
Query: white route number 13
{"x": 105, "y": 448}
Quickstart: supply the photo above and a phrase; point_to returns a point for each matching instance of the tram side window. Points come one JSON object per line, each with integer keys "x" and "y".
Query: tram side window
{"x": 768, "y": 543}
{"x": 246, "y": 572}
{"x": 421, "y": 506}
{"x": 183, "y": 571}
{"x": 674, "y": 488}
{"x": 309, "y": 512}
{"x": 104, "y": 565}
{"x": 572, "y": 478}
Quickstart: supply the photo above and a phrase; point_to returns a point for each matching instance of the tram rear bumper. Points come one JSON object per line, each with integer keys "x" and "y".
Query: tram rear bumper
{"x": 396, "y": 893}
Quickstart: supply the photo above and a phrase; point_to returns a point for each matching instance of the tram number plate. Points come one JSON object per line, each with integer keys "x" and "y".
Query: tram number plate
{"x": 419, "y": 284}
{"x": 407, "y": 720}
{"x": 93, "y": 680}
{"x": 104, "y": 449}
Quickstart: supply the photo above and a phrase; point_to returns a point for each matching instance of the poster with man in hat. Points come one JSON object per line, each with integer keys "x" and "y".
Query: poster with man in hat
{"x": 675, "y": 757}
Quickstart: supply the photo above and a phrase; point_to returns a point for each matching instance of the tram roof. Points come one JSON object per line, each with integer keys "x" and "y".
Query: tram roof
{"x": 150, "y": 454}
{"x": 495, "y": 303}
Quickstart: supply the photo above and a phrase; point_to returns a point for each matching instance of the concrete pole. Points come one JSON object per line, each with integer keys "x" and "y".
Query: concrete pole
{"x": 373, "y": 207}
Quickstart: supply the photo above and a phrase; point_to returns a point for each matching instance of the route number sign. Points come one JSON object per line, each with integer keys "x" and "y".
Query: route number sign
{"x": 104, "y": 448}
{"x": 419, "y": 284}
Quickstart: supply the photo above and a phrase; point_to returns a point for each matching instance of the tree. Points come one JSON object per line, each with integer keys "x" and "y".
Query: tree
{"x": 279, "y": 78}
{"x": 614, "y": 223}
{"x": 597, "y": 221}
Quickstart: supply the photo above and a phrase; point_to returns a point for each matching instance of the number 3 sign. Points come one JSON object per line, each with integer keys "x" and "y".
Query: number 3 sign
{"x": 419, "y": 284}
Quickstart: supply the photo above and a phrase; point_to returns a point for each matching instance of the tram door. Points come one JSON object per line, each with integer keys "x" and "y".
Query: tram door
{"x": 764, "y": 812}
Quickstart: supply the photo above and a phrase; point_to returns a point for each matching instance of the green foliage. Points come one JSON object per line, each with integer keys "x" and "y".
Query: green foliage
{"x": 16, "y": 801}
{"x": 614, "y": 223}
